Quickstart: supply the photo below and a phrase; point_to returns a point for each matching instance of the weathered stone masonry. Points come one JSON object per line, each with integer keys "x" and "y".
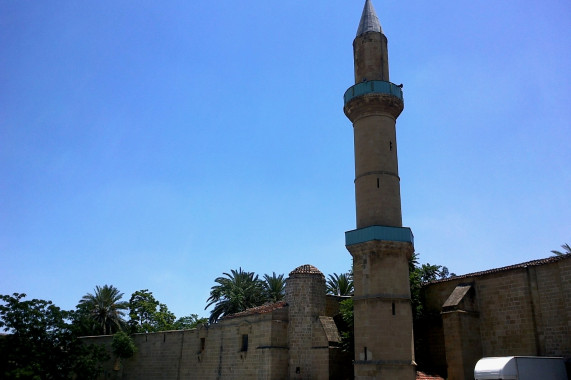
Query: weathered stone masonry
{"x": 523, "y": 309}
{"x": 292, "y": 339}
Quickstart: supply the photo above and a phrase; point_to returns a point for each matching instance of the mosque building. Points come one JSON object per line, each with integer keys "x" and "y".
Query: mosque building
{"x": 523, "y": 309}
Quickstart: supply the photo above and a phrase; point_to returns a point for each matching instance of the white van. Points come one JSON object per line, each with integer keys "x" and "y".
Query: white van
{"x": 520, "y": 368}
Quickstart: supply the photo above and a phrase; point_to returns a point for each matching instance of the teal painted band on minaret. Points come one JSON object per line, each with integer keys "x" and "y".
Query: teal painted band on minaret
{"x": 380, "y": 233}
{"x": 373, "y": 87}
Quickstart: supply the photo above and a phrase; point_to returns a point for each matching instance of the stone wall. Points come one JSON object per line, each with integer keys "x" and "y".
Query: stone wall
{"x": 293, "y": 340}
{"x": 249, "y": 347}
{"x": 524, "y": 309}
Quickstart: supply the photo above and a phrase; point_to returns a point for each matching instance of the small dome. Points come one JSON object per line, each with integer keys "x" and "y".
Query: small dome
{"x": 306, "y": 269}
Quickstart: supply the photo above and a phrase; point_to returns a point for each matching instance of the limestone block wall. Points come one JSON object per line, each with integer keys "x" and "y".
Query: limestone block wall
{"x": 507, "y": 322}
{"x": 462, "y": 333}
{"x": 524, "y": 309}
{"x": 220, "y": 351}
{"x": 293, "y": 340}
{"x": 554, "y": 289}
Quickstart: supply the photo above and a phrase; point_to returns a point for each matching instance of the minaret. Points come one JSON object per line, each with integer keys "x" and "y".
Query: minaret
{"x": 380, "y": 246}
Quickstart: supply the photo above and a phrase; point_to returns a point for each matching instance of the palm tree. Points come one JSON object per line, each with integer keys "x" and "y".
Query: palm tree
{"x": 274, "y": 287}
{"x": 566, "y": 250}
{"x": 105, "y": 309}
{"x": 340, "y": 284}
{"x": 236, "y": 292}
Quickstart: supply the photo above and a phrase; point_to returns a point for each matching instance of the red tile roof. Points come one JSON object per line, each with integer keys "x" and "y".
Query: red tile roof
{"x": 306, "y": 269}
{"x": 424, "y": 376}
{"x": 267, "y": 308}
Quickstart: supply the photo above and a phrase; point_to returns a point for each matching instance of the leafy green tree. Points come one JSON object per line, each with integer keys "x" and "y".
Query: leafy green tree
{"x": 105, "y": 309}
{"x": 82, "y": 322}
{"x": 420, "y": 275}
{"x": 149, "y": 315}
{"x": 123, "y": 346}
{"x": 274, "y": 287}
{"x": 566, "y": 250}
{"x": 235, "y": 292}
{"x": 41, "y": 343}
{"x": 348, "y": 330}
{"x": 340, "y": 284}
{"x": 189, "y": 322}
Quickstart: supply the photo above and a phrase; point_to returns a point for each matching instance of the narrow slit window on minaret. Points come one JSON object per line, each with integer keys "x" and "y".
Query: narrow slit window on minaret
{"x": 391, "y": 145}
{"x": 394, "y": 309}
{"x": 378, "y": 183}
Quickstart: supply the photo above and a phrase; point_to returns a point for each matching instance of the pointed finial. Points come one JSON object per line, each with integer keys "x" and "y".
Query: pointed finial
{"x": 369, "y": 20}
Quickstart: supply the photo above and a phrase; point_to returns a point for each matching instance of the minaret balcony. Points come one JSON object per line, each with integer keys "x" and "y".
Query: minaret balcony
{"x": 379, "y": 233}
{"x": 373, "y": 87}
{"x": 373, "y": 97}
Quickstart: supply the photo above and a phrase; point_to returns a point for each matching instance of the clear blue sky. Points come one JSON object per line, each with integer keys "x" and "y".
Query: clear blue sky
{"x": 156, "y": 144}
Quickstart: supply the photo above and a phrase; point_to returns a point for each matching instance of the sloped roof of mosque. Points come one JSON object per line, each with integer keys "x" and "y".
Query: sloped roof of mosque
{"x": 305, "y": 269}
{"x": 369, "y": 20}
{"x": 267, "y": 308}
{"x": 533, "y": 263}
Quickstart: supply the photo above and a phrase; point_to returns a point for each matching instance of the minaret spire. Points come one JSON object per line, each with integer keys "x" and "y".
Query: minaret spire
{"x": 369, "y": 20}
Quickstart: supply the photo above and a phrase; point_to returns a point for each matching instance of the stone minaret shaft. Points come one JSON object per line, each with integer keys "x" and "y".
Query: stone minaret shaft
{"x": 377, "y": 183}
{"x": 380, "y": 246}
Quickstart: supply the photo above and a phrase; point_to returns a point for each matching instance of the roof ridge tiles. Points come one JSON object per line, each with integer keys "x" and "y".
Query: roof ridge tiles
{"x": 532, "y": 263}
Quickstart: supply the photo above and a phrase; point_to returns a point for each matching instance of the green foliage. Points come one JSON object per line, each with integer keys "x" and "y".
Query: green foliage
{"x": 189, "y": 322}
{"x": 82, "y": 322}
{"x": 566, "y": 250}
{"x": 274, "y": 287}
{"x": 43, "y": 339}
{"x": 89, "y": 363}
{"x": 104, "y": 309}
{"x": 340, "y": 284}
{"x": 41, "y": 343}
{"x": 348, "y": 329}
{"x": 420, "y": 275}
{"x": 123, "y": 346}
{"x": 38, "y": 330}
{"x": 149, "y": 315}
{"x": 237, "y": 291}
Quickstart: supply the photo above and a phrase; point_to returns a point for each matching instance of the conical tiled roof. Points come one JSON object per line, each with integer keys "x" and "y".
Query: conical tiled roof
{"x": 369, "y": 20}
{"x": 306, "y": 269}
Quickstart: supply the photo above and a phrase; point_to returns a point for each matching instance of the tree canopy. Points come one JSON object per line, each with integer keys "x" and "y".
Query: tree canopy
{"x": 105, "y": 309}
{"x": 566, "y": 250}
{"x": 146, "y": 314}
{"x": 240, "y": 290}
{"x": 340, "y": 284}
{"x": 274, "y": 287}
{"x": 235, "y": 291}
{"x": 421, "y": 274}
{"x": 41, "y": 344}
{"x": 188, "y": 322}
{"x": 42, "y": 340}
